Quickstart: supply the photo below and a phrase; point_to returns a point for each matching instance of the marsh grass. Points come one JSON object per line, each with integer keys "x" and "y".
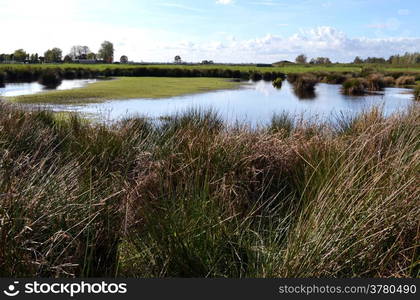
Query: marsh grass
{"x": 417, "y": 92}
{"x": 405, "y": 80}
{"x": 355, "y": 86}
{"x": 375, "y": 82}
{"x": 188, "y": 197}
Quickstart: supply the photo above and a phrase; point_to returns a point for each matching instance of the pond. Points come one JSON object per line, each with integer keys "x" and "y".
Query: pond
{"x": 29, "y": 88}
{"x": 253, "y": 103}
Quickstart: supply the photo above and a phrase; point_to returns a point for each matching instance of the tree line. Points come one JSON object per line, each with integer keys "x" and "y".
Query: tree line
{"x": 405, "y": 59}
{"x": 77, "y": 53}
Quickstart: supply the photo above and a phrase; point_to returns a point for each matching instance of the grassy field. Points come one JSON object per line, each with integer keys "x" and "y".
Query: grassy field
{"x": 191, "y": 198}
{"x": 129, "y": 88}
{"x": 295, "y": 68}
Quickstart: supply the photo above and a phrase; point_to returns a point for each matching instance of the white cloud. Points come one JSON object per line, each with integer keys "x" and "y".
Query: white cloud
{"x": 390, "y": 24}
{"x": 320, "y": 41}
{"x": 224, "y": 2}
{"x": 404, "y": 12}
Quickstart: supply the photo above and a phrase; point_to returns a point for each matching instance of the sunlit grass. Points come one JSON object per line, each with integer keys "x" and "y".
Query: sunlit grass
{"x": 129, "y": 88}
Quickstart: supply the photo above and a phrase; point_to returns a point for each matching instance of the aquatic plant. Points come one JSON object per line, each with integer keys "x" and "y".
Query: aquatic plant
{"x": 305, "y": 82}
{"x": 333, "y": 78}
{"x": 355, "y": 86}
{"x": 278, "y": 82}
{"x": 375, "y": 82}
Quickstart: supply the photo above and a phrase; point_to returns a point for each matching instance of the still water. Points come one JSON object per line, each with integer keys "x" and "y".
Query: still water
{"x": 20, "y": 89}
{"x": 253, "y": 103}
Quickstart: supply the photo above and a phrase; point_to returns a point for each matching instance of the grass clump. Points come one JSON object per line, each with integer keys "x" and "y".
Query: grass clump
{"x": 278, "y": 82}
{"x": 405, "y": 80}
{"x": 355, "y": 86}
{"x": 189, "y": 197}
{"x": 389, "y": 81}
{"x": 417, "y": 92}
{"x": 375, "y": 82}
{"x": 305, "y": 82}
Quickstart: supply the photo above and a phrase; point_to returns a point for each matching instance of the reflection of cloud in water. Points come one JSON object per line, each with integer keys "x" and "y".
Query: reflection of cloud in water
{"x": 254, "y": 104}
{"x": 20, "y": 89}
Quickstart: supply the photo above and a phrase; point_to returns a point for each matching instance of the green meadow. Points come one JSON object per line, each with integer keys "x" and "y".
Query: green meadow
{"x": 129, "y": 88}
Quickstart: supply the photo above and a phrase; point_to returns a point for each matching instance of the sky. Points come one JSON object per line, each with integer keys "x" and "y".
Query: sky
{"x": 237, "y": 31}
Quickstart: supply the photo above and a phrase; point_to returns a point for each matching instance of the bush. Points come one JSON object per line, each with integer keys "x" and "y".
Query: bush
{"x": 50, "y": 79}
{"x": 355, "y": 86}
{"x": 405, "y": 80}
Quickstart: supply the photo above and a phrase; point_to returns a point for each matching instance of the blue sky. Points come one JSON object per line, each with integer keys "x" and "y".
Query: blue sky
{"x": 221, "y": 30}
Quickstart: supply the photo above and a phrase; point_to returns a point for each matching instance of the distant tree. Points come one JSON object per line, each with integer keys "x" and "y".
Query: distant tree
{"x": 53, "y": 55}
{"x": 178, "y": 59}
{"x": 358, "y": 60}
{"x": 79, "y": 52}
{"x": 68, "y": 59}
{"x": 124, "y": 59}
{"x": 34, "y": 58}
{"x": 106, "y": 52}
{"x": 320, "y": 61}
{"x": 301, "y": 59}
{"x": 19, "y": 55}
{"x": 91, "y": 56}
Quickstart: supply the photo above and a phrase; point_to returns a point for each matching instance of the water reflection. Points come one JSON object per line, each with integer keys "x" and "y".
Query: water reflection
{"x": 254, "y": 103}
{"x": 19, "y": 89}
{"x": 304, "y": 94}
